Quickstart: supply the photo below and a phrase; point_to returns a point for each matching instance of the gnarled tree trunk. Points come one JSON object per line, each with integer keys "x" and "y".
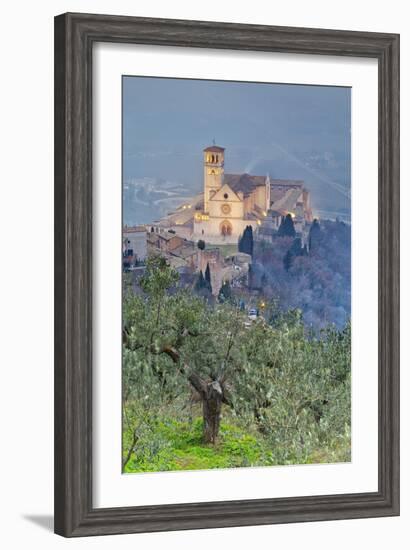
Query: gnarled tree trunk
{"x": 211, "y": 393}
{"x": 211, "y": 406}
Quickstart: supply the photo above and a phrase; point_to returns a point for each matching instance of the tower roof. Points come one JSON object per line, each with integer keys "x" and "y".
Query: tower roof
{"x": 214, "y": 149}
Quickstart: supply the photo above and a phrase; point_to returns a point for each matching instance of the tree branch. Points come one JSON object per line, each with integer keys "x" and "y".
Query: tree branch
{"x": 171, "y": 352}
{"x": 231, "y": 340}
{"x": 198, "y": 384}
{"x": 195, "y": 380}
{"x": 131, "y": 449}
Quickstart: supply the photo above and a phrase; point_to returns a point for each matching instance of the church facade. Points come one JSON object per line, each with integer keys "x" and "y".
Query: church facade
{"x": 230, "y": 201}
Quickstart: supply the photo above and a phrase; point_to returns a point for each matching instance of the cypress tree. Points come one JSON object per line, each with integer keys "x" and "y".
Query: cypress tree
{"x": 245, "y": 244}
{"x": 296, "y": 248}
{"x": 314, "y": 235}
{"x": 208, "y": 277}
{"x": 287, "y": 227}
{"x": 250, "y": 240}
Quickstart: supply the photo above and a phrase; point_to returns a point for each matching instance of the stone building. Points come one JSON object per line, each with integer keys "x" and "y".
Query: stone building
{"x": 165, "y": 241}
{"x": 135, "y": 242}
{"x": 230, "y": 202}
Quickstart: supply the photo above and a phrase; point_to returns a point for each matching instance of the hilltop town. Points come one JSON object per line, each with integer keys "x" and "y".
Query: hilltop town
{"x": 236, "y": 296}
{"x": 204, "y": 232}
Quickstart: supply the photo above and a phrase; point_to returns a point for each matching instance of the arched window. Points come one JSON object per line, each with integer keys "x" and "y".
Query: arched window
{"x": 226, "y": 228}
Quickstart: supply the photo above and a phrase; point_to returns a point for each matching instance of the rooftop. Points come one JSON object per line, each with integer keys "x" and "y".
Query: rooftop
{"x": 244, "y": 183}
{"x": 288, "y": 201}
{"x": 153, "y": 237}
{"x": 186, "y": 252}
{"x": 168, "y": 236}
{"x": 134, "y": 229}
{"x": 287, "y": 183}
{"x": 214, "y": 149}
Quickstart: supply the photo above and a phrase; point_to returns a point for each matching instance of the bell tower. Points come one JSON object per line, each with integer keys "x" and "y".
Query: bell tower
{"x": 213, "y": 171}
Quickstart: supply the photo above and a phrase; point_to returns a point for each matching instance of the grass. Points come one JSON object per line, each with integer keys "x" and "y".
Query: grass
{"x": 180, "y": 447}
{"x": 174, "y": 445}
{"x": 228, "y": 249}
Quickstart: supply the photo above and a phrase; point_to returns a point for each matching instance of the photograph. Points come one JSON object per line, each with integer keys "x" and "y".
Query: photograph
{"x": 236, "y": 270}
{"x": 226, "y": 274}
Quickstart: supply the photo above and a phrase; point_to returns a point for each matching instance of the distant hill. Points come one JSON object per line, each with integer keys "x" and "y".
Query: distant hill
{"x": 148, "y": 199}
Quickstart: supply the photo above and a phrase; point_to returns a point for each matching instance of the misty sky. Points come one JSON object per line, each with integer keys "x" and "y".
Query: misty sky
{"x": 288, "y": 131}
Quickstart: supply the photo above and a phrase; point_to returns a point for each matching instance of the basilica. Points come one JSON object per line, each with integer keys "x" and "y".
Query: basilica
{"x": 230, "y": 202}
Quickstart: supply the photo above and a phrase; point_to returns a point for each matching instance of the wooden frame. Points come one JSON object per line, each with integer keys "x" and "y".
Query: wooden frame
{"x": 74, "y": 38}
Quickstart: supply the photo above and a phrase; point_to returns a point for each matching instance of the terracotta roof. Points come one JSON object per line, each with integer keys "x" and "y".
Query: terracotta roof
{"x": 168, "y": 236}
{"x": 214, "y": 149}
{"x": 244, "y": 183}
{"x": 153, "y": 237}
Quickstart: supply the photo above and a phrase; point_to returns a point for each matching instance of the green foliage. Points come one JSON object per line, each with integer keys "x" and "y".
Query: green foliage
{"x": 288, "y": 391}
{"x": 159, "y": 277}
{"x": 297, "y": 390}
{"x": 225, "y": 292}
{"x": 176, "y": 445}
{"x": 168, "y": 444}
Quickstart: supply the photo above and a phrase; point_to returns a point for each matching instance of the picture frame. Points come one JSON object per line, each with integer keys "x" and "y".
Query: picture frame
{"x": 75, "y": 36}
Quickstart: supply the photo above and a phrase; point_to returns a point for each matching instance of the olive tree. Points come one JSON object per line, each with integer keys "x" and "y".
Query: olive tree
{"x": 271, "y": 374}
{"x": 198, "y": 341}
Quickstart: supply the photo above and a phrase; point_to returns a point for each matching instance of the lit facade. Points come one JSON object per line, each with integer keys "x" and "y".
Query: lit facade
{"x": 230, "y": 201}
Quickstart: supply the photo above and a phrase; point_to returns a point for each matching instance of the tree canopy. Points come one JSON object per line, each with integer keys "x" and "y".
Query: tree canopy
{"x": 289, "y": 389}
